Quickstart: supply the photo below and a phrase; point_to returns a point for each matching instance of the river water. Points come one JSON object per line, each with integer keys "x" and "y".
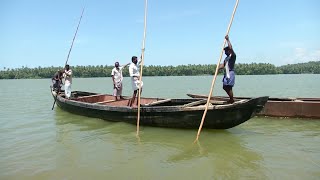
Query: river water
{"x": 39, "y": 143}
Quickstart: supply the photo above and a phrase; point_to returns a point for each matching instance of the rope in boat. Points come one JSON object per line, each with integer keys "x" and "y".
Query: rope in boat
{"x": 216, "y": 72}
{"x": 74, "y": 37}
{"x": 142, "y": 60}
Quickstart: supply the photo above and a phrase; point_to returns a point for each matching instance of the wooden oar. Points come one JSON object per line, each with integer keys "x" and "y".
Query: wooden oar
{"x": 142, "y": 60}
{"x": 74, "y": 37}
{"x": 216, "y": 72}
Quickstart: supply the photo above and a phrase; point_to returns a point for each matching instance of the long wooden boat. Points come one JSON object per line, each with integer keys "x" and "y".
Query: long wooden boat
{"x": 172, "y": 113}
{"x": 281, "y": 107}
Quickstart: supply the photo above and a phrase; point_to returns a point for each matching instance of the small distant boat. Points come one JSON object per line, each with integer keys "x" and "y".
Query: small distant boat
{"x": 160, "y": 112}
{"x": 281, "y": 107}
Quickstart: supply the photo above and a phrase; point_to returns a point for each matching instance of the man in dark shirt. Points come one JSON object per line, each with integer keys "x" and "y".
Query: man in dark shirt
{"x": 57, "y": 80}
{"x": 229, "y": 75}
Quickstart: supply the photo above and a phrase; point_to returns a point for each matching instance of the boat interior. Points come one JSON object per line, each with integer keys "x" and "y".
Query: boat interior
{"x": 109, "y": 100}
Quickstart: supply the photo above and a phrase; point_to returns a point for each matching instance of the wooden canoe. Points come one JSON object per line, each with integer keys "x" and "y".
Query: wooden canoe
{"x": 171, "y": 113}
{"x": 281, "y": 107}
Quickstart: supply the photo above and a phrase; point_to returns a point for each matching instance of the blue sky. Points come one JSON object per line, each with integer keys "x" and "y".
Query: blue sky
{"x": 39, "y": 33}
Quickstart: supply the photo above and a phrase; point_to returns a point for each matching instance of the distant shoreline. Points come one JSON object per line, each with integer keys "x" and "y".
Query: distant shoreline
{"x": 312, "y": 67}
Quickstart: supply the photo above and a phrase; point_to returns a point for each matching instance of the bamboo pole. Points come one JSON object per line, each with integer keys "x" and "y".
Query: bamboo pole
{"x": 216, "y": 72}
{"x": 142, "y": 61}
{"x": 74, "y": 37}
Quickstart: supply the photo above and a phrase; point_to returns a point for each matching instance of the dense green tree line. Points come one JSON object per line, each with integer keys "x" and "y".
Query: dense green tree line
{"x": 312, "y": 67}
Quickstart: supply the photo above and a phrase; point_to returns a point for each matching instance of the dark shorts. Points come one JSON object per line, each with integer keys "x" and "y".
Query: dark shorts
{"x": 229, "y": 81}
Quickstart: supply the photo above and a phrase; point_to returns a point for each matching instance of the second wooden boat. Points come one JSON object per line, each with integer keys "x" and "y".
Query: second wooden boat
{"x": 281, "y": 107}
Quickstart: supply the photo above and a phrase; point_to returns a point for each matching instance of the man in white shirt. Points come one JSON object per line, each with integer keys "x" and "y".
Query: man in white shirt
{"x": 117, "y": 78}
{"x": 134, "y": 71}
{"x": 67, "y": 81}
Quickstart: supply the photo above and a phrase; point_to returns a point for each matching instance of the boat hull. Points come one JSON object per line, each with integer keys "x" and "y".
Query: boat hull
{"x": 217, "y": 117}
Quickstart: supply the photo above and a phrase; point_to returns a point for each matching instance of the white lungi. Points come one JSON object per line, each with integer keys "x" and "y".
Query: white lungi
{"x": 117, "y": 91}
{"x": 136, "y": 83}
{"x": 67, "y": 89}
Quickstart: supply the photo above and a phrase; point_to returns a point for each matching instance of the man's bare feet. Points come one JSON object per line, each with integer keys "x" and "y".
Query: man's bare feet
{"x": 231, "y": 101}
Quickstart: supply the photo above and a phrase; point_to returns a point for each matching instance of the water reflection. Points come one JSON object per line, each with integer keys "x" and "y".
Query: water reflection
{"x": 219, "y": 153}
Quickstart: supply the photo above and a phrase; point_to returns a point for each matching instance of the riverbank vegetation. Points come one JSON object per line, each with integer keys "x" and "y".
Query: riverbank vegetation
{"x": 312, "y": 67}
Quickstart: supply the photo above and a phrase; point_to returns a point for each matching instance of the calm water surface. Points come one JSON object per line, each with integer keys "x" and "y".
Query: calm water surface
{"x": 38, "y": 143}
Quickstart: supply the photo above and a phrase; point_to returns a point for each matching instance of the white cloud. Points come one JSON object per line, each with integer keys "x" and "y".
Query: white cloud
{"x": 300, "y": 55}
{"x": 316, "y": 54}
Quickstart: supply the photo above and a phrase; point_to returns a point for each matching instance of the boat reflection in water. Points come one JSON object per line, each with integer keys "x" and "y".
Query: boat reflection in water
{"x": 110, "y": 149}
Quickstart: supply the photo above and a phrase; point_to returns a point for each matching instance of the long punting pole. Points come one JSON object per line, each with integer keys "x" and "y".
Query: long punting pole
{"x": 142, "y": 60}
{"x": 74, "y": 37}
{"x": 215, "y": 74}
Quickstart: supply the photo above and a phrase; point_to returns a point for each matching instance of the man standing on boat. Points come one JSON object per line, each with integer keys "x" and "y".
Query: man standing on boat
{"x": 229, "y": 75}
{"x": 134, "y": 71}
{"x": 67, "y": 81}
{"x": 117, "y": 78}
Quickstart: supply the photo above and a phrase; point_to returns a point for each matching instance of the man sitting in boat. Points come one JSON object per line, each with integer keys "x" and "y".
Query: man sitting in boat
{"x": 57, "y": 80}
{"x": 117, "y": 78}
{"x": 229, "y": 75}
{"x": 67, "y": 81}
{"x": 134, "y": 71}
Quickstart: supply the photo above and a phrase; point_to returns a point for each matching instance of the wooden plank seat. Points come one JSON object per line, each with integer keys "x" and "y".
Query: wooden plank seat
{"x": 218, "y": 102}
{"x": 200, "y": 102}
{"x": 195, "y": 103}
{"x": 95, "y": 95}
{"x": 157, "y": 102}
{"x": 102, "y": 102}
